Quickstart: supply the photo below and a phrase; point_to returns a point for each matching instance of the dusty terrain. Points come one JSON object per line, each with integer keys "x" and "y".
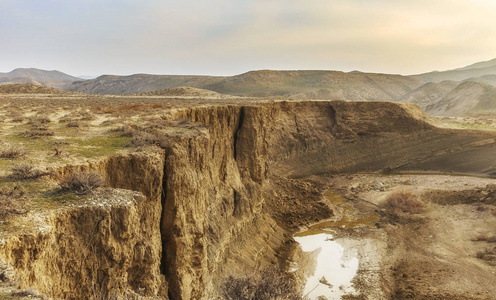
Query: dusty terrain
{"x": 433, "y": 255}
{"x": 197, "y": 189}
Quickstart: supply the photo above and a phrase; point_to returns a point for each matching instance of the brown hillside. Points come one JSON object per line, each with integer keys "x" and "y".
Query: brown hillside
{"x": 467, "y": 98}
{"x": 26, "y": 88}
{"x": 180, "y": 91}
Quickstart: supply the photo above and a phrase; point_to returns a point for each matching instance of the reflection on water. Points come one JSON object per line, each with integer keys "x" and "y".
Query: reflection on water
{"x": 335, "y": 267}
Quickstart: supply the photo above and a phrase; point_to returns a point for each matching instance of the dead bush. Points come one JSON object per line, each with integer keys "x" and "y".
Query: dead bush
{"x": 12, "y": 151}
{"x": 487, "y": 255}
{"x": 269, "y": 283}
{"x": 127, "y": 131}
{"x": 480, "y": 238}
{"x": 17, "y": 117}
{"x": 404, "y": 201}
{"x": 40, "y": 119}
{"x": 23, "y": 171}
{"x": 58, "y": 150}
{"x": 81, "y": 182}
{"x": 77, "y": 116}
{"x": 72, "y": 124}
{"x": 11, "y": 200}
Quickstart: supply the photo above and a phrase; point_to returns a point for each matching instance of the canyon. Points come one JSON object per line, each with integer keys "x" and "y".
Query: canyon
{"x": 223, "y": 187}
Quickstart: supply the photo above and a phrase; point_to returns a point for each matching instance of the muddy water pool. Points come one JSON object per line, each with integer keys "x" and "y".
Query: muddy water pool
{"x": 328, "y": 264}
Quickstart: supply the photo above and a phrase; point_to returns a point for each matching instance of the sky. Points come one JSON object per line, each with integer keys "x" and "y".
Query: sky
{"x": 222, "y": 37}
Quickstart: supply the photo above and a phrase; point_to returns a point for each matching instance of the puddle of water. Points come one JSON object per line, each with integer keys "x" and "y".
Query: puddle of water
{"x": 335, "y": 267}
{"x": 348, "y": 218}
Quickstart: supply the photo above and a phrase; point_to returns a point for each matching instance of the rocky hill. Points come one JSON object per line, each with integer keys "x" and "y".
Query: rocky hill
{"x": 36, "y": 76}
{"x": 468, "y": 98}
{"x": 138, "y": 83}
{"x": 429, "y": 93}
{"x": 294, "y": 84}
{"x": 480, "y": 69}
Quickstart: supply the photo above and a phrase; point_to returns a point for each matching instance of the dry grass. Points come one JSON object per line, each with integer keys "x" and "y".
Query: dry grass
{"x": 404, "y": 201}
{"x": 267, "y": 284}
{"x": 81, "y": 182}
{"x": 35, "y": 133}
{"x": 128, "y": 108}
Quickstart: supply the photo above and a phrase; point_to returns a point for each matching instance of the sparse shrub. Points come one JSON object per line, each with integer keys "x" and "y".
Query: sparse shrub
{"x": 269, "y": 283}
{"x": 11, "y": 200}
{"x": 72, "y": 124}
{"x": 24, "y": 171}
{"x": 127, "y": 131}
{"x": 404, "y": 201}
{"x": 480, "y": 208}
{"x": 11, "y": 151}
{"x": 40, "y": 119}
{"x": 487, "y": 255}
{"x": 58, "y": 150}
{"x": 17, "y": 117}
{"x": 491, "y": 239}
{"x": 140, "y": 139}
{"x": 480, "y": 238}
{"x": 15, "y": 192}
{"x": 81, "y": 182}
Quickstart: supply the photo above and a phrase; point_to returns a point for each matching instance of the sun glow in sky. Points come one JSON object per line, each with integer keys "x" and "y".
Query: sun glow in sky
{"x": 227, "y": 37}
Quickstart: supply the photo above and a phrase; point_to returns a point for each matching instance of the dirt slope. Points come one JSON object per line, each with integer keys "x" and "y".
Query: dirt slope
{"x": 429, "y": 93}
{"x": 30, "y": 89}
{"x": 467, "y": 98}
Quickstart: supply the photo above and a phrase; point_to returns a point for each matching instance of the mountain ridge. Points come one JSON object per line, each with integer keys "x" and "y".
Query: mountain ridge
{"x": 432, "y": 91}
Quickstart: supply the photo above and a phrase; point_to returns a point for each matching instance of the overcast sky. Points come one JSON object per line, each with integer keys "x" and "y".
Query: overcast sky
{"x": 222, "y": 37}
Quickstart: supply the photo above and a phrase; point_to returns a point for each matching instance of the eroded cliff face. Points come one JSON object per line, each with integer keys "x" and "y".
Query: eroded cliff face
{"x": 213, "y": 219}
{"x": 109, "y": 245}
{"x": 211, "y": 194}
{"x": 220, "y": 179}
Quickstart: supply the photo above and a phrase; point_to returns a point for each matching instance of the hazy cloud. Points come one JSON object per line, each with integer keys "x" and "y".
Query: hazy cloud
{"x": 229, "y": 37}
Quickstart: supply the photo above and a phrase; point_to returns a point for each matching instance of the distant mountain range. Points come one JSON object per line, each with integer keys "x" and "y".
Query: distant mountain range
{"x": 458, "y": 92}
{"x": 472, "y": 73}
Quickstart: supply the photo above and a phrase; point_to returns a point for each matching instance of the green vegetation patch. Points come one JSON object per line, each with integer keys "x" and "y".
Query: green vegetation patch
{"x": 98, "y": 145}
